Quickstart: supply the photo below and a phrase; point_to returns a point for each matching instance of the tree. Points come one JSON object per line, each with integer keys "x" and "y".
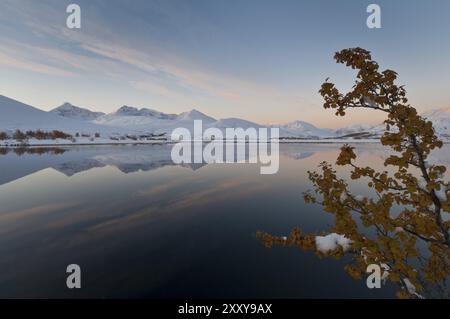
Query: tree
{"x": 4, "y": 136}
{"x": 19, "y": 135}
{"x": 409, "y": 209}
{"x": 59, "y": 134}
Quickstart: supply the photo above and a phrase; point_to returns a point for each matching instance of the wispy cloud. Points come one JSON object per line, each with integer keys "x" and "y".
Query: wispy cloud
{"x": 101, "y": 52}
{"x": 25, "y": 64}
{"x": 224, "y": 58}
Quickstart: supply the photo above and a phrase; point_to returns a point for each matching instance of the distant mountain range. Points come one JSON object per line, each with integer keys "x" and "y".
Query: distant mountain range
{"x": 132, "y": 120}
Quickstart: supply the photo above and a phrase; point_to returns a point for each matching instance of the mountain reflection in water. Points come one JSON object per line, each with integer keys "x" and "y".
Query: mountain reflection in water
{"x": 141, "y": 226}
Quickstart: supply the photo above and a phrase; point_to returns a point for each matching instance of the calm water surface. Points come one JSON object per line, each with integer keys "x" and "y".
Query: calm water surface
{"x": 140, "y": 226}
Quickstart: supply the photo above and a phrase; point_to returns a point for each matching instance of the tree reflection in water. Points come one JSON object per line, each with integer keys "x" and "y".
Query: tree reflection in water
{"x": 32, "y": 150}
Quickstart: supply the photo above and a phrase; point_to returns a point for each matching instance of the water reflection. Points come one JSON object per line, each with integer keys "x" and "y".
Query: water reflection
{"x": 140, "y": 226}
{"x": 32, "y": 150}
{"x": 127, "y": 159}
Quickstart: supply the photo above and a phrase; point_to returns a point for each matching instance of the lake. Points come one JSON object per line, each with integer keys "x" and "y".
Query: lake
{"x": 140, "y": 226}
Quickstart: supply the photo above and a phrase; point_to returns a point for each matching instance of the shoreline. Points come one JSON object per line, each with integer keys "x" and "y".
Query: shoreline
{"x": 64, "y": 143}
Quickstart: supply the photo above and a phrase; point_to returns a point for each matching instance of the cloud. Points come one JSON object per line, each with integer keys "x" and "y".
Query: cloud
{"x": 21, "y": 219}
{"x": 99, "y": 51}
{"x": 153, "y": 88}
{"x": 147, "y": 67}
{"x": 230, "y": 189}
{"x": 27, "y": 65}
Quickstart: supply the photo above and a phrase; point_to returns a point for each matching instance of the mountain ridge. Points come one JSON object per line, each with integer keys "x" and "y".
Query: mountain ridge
{"x": 126, "y": 119}
{"x": 75, "y": 112}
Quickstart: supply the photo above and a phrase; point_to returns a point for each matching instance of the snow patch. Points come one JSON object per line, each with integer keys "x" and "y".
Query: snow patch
{"x": 411, "y": 288}
{"x": 331, "y": 242}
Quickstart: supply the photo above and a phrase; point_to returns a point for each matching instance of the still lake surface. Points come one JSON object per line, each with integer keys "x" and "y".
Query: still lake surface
{"x": 142, "y": 227}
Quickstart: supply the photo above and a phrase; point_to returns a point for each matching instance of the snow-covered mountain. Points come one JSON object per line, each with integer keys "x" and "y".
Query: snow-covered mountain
{"x": 143, "y": 119}
{"x": 234, "y": 122}
{"x": 354, "y": 128}
{"x": 145, "y": 112}
{"x": 195, "y": 115}
{"x": 441, "y": 121}
{"x": 151, "y": 120}
{"x": 128, "y": 120}
{"x": 74, "y": 112}
{"x": 303, "y": 130}
{"x": 16, "y": 115}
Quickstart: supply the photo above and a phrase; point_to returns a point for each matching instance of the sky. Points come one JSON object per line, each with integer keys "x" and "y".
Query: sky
{"x": 261, "y": 60}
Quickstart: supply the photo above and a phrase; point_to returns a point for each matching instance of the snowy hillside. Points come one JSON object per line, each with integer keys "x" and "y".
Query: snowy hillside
{"x": 234, "y": 122}
{"x": 303, "y": 130}
{"x": 74, "y": 112}
{"x": 131, "y": 124}
{"x": 441, "y": 121}
{"x": 195, "y": 115}
{"x": 352, "y": 129}
{"x": 144, "y": 112}
{"x": 143, "y": 120}
{"x": 131, "y": 120}
{"x": 16, "y": 115}
{"x": 150, "y": 120}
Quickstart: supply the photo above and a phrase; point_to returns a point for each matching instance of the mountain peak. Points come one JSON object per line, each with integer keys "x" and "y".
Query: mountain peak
{"x": 437, "y": 114}
{"x": 303, "y": 129}
{"x": 133, "y": 111}
{"x": 127, "y": 110}
{"x": 300, "y": 125}
{"x": 195, "y": 115}
{"x": 69, "y": 110}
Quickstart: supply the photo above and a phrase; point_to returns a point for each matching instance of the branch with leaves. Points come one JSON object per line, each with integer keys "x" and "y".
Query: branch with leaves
{"x": 410, "y": 206}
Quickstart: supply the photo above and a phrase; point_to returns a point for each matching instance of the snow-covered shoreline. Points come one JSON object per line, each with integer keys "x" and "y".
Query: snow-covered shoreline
{"x": 78, "y": 142}
{"x": 126, "y": 141}
{"x": 105, "y": 141}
